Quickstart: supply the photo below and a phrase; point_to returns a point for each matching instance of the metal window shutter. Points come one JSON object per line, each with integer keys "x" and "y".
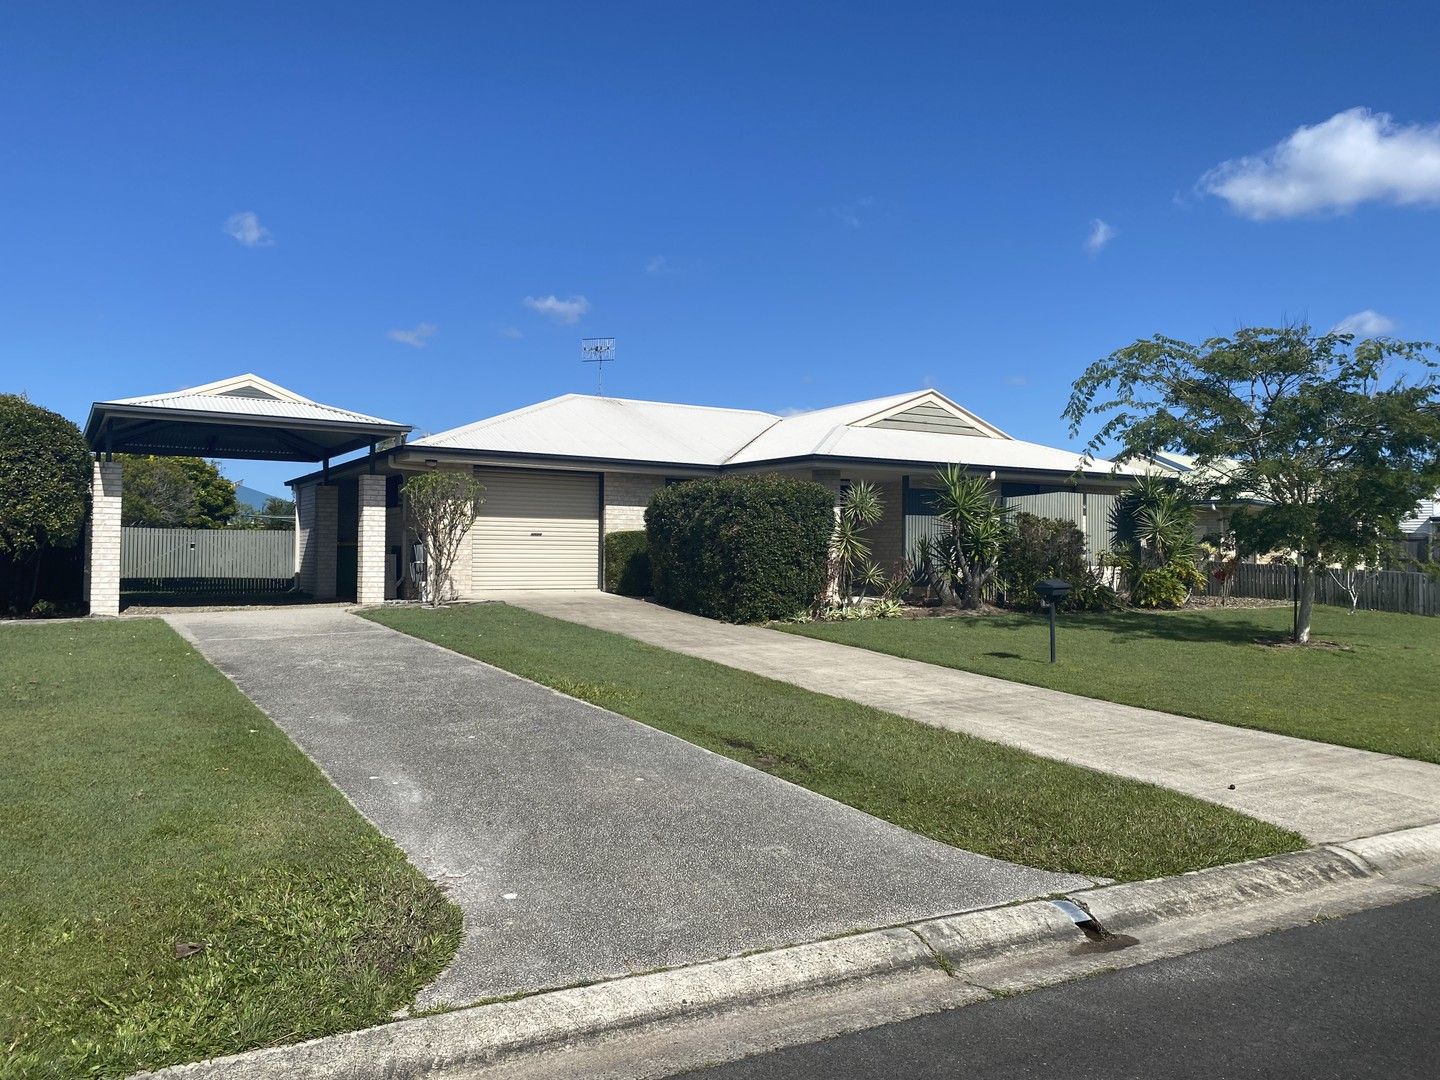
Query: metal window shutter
{"x": 537, "y": 530}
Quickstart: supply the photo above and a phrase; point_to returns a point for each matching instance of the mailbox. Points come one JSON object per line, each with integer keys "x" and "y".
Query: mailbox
{"x": 1052, "y": 591}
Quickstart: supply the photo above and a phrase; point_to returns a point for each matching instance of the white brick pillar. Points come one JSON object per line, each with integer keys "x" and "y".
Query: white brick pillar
{"x": 102, "y": 540}
{"x": 370, "y": 569}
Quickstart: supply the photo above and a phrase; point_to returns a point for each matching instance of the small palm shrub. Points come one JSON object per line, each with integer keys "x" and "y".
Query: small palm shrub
{"x": 965, "y": 557}
{"x": 852, "y": 569}
{"x": 1155, "y": 548}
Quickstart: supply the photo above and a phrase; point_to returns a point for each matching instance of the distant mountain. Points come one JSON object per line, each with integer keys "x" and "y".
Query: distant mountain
{"x": 248, "y": 496}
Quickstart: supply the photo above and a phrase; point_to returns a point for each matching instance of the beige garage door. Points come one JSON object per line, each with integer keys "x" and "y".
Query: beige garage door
{"x": 537, "y": 530}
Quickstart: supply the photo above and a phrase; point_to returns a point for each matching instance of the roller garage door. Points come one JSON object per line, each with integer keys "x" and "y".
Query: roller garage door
{"x": 537, "y": 530}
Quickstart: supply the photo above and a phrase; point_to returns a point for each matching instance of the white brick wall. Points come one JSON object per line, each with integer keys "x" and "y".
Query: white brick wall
{"x": 626, "y": 496}
{"x": 370, "y": 570}
{"x": 102, "y": 540}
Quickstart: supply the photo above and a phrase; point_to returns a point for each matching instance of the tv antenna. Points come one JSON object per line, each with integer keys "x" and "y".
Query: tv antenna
{"x": 598, "y": 351}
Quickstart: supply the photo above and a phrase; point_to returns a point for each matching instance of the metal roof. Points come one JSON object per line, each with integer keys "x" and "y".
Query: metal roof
{"x": 620, "y": 430}
{"x": 240, "y": 417}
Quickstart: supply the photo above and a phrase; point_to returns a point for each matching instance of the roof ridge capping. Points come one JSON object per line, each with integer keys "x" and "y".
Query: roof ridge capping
{"x": 227, "y": 387}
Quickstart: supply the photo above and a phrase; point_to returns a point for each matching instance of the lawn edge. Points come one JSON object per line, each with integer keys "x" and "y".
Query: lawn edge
{"x": 979, "y": 954}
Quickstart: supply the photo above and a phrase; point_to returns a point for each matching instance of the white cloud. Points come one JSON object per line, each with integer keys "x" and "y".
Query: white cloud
{"x": 512, "y": 332}
{"x": 660, "y": 265}
{"x": 1101, "y": 233}
{"x": 1016, "y": 380}
{"x": 417, "y": 338}
{"x": 245, "y": 228}
{"x": 1367, "y": 323}
{"x": 567, "y": 311}
{"x": 851, "y": 215}
{"x": 1354, "y": 157}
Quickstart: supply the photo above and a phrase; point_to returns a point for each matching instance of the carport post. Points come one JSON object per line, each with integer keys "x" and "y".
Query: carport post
{"x": 102, "y": 540}
{"x": 370, "y": 554}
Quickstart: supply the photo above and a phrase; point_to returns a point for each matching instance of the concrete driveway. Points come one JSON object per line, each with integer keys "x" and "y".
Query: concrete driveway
{"x": 579, "y": 844}
{"x": 1324, "y": 792}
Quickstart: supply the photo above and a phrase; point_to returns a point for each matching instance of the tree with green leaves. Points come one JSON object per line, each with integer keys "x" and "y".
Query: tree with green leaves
{"x": 441, "y": 507}
{"x": 175, "y": 493}
{"x": 1336, "y": 439}
{"x": 975, "y": 525}
{"x": 44, "y": 483}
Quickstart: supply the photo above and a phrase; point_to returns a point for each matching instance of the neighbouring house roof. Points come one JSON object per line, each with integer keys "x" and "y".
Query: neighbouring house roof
{"x": 921, "y": 426}
{"x": 244, "y": 416}
{"x": 1195, "y": 476}
{"x": 1422, "y": 521}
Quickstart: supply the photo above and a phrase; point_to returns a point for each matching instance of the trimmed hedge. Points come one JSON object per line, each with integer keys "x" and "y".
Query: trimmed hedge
{"x": 627, "y": 563}
{"x": 741, "y": 549}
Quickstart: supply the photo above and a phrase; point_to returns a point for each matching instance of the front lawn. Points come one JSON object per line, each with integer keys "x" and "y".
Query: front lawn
{"x": 952, "y": 787}
{"x": 148, "y": 810}
{"x": 1377, "y": 692}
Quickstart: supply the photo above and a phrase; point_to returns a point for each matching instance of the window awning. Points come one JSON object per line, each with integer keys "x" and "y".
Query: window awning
{"x": 242, "y": 417}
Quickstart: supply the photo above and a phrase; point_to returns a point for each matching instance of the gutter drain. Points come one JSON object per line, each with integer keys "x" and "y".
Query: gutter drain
{"x": 1100, "y": 939}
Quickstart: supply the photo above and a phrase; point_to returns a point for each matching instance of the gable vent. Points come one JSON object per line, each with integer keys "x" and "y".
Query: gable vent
{"x": 929, "y": 417}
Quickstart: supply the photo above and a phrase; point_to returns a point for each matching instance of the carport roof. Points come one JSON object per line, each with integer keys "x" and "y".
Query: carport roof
{"x": 241, "y": 417}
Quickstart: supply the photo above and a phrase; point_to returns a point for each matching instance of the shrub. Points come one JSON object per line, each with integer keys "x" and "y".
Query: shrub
{"x": 44, "y": 484}
{"x": 441, "y": 507}
{"x": 742, "y": 549}
{"x": 627, "y": 563}
{"x": 1039, "y": 548}
{"x": 1155, "y": 547}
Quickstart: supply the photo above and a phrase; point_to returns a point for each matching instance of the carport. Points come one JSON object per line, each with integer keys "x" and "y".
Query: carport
{"x": 249, "y": 418}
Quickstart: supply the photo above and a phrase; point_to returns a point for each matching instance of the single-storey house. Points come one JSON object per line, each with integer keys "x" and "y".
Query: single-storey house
{"x": 561, "y": 474}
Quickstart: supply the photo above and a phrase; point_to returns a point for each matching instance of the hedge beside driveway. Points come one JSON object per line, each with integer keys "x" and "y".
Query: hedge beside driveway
{"x": 740, "y": 549}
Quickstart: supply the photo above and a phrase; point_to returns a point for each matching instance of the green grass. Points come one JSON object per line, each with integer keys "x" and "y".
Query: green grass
{"x": 1379, "y": 693}
{"x": 951, "y": 787}
{"x": 145, "y": 803}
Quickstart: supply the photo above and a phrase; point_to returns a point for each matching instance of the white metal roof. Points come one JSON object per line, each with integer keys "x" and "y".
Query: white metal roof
{"x": 250, "y": 395}
{"x": 618, "y": 429}
{"x": 1427, "y": 510}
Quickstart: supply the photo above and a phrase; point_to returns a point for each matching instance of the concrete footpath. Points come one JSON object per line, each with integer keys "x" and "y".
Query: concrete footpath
{"x": 1326, "y": 793}
{"x": 580, "y": 845}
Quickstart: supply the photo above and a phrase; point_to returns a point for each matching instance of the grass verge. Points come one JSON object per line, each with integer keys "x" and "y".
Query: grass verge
{"x": 951, "y": 787}
{"x": 1227, "y": 665}
{"x": 146, "y": 806}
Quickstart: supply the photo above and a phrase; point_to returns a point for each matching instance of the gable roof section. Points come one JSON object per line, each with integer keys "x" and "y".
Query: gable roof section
{"x": 652, "y": 432}
{"x": 610, "y": 429}
{"x": 244, "y": 416}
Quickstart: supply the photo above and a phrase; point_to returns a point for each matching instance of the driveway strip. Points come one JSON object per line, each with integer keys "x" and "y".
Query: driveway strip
{"x": 579, "y": 844}
{"x": 1324, "y": 792}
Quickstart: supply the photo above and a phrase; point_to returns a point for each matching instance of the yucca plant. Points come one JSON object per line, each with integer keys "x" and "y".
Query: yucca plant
{"x": 860, "y": 507}
{"x": 976, "y": 524}
{"x": 1155, "y": 546}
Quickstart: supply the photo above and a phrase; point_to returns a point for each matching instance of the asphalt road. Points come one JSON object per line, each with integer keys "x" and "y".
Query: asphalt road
{"x": 1350, "y": 998}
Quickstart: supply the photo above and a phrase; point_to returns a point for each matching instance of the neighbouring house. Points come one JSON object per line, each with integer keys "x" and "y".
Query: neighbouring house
{"x": 561, "y": 474}
{"x": 1420, "y": 531}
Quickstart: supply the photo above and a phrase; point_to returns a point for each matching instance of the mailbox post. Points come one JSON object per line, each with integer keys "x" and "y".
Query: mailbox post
{"x": 1052, "y": 591}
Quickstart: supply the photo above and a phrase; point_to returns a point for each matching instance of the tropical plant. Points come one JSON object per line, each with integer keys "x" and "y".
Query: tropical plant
{"x": 441, "y": 507}
{"x": 1154, "y": 546}
{"x": 1335, "y": 440}
{"x": 975, "y": 525}
{"x": 860, "y": 507}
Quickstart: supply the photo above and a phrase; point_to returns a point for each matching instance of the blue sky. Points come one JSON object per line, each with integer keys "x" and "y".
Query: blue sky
{"x": 775, "y": 205}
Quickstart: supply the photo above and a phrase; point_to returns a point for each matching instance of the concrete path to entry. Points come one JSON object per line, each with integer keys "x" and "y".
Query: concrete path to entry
{"x": 579, "y": 844}
{"x": 1326, "y": 793}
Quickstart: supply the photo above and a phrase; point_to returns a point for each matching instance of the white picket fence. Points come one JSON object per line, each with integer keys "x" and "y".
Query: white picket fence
{"x": 209, "y": 558}
{"x": 1384, "y": 590}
